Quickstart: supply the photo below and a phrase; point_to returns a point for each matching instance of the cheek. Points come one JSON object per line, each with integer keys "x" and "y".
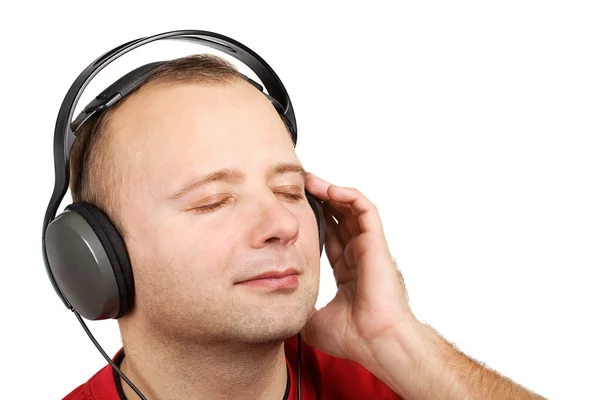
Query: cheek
{"x": 184, "y": 256}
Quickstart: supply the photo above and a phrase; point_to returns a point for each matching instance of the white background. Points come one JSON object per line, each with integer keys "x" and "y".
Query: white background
{"x": 473, "y": 126}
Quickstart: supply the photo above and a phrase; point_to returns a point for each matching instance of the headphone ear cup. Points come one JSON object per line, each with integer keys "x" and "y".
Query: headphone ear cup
{"x": 318, "y": 210}
{"x": 89, "y": 261}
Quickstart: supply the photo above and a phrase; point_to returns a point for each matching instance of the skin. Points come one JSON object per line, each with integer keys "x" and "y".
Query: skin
{"x": 193, "y": 332}
{"x": 191, "y": 321}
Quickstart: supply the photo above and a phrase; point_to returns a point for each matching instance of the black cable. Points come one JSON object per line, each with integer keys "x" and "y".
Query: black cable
{"x": 107, "y": 357}
{"x": 299, "y": 358}
{"x": 135, "y": 389}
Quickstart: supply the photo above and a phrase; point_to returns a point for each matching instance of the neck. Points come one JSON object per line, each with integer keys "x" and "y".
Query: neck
{"x": 167, "y": 368}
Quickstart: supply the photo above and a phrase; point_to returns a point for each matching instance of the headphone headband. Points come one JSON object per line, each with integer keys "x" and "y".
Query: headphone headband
{"x": 63, "y": 132}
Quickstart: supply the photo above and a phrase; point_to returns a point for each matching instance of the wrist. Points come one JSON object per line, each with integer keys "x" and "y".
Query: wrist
{"x": 412, "y": 360}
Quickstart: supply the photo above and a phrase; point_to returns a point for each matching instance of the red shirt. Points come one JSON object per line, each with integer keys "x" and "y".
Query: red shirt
{"x": 322, "y": 377}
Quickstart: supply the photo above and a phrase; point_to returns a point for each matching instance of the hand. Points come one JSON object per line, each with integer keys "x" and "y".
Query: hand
{"x": 371, "y": 298}
{"x": 369, "y": 320}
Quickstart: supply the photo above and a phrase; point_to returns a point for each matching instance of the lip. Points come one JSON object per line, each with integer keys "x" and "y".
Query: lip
{"x": 288, "y": 282}
{"x": 272, "y": 275}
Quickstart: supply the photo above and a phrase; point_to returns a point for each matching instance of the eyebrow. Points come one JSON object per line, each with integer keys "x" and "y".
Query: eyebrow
{"x": 232, "y": 175}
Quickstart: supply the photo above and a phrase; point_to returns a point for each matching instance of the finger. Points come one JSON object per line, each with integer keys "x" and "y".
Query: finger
{"x": 343, "y": 274}
{"x": 345, "y": 216}
{"x": 333, "y": 244}
{"x": 317, "y": 186}
{"x": 343, "y": 213}
{"x": 342, "y": 225}
{"x": 342, "y": 271}
{"x": 340, "y": 211}
{"x": 337, "y": 252}
{"x": 350, "y": 254}
{"x": 367, "y": 215}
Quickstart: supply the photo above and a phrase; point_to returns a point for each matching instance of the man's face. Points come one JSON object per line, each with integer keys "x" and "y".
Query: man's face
{"x": 186, "y": 261}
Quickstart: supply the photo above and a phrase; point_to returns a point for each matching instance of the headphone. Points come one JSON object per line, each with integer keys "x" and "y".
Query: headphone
{"x": 85, "y": 255}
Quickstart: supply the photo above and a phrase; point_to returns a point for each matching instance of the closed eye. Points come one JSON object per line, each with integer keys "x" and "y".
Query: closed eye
{"x": 210, "y": 207}
{"x": 217, "y": 205}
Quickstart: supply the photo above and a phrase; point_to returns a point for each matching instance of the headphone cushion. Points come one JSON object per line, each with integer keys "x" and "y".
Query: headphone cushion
{"x": 115, "y": 248}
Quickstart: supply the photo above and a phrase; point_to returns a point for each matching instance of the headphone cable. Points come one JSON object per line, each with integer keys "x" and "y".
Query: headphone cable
{"x": 135, "y": 389}
{"x": 299, "y": 363}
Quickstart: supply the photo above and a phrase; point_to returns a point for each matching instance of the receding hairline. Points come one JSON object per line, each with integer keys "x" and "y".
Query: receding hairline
{"x": 93, "y": 163}
{"x": 109, "y": 130}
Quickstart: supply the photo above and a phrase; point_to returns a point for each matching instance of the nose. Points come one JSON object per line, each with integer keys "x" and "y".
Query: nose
{"x": 275, "y": 224}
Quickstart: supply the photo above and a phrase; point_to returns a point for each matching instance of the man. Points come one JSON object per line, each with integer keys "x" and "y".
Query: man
{"x": 198, "y": 172}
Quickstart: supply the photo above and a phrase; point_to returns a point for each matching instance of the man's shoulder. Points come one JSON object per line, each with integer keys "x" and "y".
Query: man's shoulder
{"x": 82, "y": 392}
{"x": 101, "y": 386}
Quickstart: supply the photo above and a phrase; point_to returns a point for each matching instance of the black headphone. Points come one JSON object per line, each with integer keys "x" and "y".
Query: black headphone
{"x": 85, "y": 256}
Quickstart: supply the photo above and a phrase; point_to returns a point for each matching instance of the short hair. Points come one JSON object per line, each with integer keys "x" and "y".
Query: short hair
{"x": 94, "y": 176}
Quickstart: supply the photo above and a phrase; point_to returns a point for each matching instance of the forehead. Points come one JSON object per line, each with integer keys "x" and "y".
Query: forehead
{"x": 168, "y": 131}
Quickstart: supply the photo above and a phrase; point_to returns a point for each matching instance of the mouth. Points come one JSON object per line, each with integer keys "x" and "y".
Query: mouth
{"x": 273, "y": 280}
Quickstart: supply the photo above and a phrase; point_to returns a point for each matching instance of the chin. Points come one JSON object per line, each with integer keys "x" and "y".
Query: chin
{"x": 274, "y": 325}
{"x": 271, "y": 335}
